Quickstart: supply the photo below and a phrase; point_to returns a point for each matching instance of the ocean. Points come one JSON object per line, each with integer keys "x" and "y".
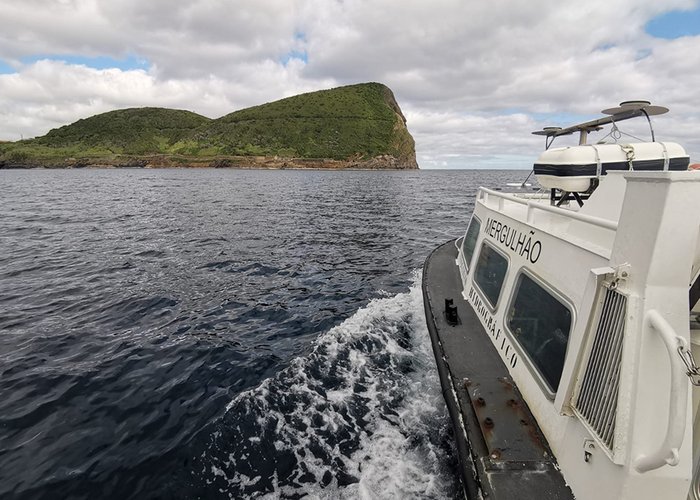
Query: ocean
{"x": 223, "y": 333}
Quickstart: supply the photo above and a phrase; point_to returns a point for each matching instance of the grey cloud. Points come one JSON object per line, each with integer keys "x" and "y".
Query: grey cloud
{"x": 467, "y": 73}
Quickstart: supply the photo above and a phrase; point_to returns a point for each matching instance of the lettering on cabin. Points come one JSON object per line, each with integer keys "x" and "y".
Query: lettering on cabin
{"x": 489, "y": 323}
{"x": 512, "y": 239}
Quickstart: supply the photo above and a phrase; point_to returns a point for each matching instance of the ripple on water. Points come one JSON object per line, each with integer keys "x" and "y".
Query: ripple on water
{"x": 136, "y": 305}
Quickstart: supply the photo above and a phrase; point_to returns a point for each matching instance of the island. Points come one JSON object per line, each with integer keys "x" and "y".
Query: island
{"x": 352, "y": 127}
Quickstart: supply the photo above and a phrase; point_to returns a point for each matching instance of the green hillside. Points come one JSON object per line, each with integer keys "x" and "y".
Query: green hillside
{"x": 358, "y": 120}
{"x": 131, "y": 131}
{"x": 355, "y": 123}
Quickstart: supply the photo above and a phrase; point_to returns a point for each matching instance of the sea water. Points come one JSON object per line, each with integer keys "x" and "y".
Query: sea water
{"x": 203, "y": 333}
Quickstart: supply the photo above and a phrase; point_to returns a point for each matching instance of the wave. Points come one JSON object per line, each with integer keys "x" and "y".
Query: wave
{"x": 360, "y": 416}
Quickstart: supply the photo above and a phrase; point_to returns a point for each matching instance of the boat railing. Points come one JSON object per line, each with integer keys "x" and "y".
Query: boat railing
{"x": 667, "y": 452}
{"x": 534, "y": 206}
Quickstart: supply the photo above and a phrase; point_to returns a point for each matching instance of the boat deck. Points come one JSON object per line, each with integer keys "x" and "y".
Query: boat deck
{"x": 503, "y": 454}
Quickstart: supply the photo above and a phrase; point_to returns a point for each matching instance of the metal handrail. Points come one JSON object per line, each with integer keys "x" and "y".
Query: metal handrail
{"x": 667, "y": 453}
{"x": 589, "y": 219}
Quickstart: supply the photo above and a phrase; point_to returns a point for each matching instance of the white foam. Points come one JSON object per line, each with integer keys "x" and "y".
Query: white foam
{"x": 379, "y": 360}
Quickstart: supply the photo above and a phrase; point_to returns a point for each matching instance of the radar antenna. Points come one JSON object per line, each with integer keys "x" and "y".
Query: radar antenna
{"x": 625, "y": 111}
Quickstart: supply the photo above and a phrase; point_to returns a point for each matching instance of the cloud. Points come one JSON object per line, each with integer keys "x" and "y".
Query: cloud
{"x": 474, "y": 78}
{"x": 48, "y": 94}
{"x": 453, "y": 140}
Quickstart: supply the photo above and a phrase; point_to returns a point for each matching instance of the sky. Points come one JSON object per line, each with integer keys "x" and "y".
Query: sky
{"x": 473, "y": 78}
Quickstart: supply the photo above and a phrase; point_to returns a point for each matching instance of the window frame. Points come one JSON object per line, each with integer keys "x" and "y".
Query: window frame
{"x": 563, "y": 300}
{"x": 467, "y": 263}
{"x": 493, "y": 247}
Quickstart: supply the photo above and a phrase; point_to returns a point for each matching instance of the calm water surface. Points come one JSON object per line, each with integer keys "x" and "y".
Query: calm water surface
{"x": 223, "y": 333}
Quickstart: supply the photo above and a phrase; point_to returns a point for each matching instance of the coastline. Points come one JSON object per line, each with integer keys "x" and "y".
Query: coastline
{"x": 381, "y": 162}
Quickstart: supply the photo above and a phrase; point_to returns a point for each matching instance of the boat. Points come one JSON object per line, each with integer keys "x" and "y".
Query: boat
{"x": 565, "y": 325}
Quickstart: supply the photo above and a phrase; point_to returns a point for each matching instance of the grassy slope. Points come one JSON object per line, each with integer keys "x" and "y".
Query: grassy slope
{"x": 134, "y": 131}
{"x": 130, "y": 131}
{"x": 356, "y": 121}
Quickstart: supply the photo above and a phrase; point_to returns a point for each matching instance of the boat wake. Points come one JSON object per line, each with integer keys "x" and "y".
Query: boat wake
{"x": 361, "y": 416}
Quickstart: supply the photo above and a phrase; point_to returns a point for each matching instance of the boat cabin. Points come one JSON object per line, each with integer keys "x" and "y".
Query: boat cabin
{"x": 572, "y": 324}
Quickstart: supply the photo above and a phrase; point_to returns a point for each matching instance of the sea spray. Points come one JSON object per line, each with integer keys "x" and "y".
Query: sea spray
{"x": 361, "y": 416}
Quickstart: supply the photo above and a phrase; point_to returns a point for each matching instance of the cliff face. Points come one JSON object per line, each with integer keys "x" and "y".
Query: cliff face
{"x": 402, "y": 145}
{"x": 357, "y": 126}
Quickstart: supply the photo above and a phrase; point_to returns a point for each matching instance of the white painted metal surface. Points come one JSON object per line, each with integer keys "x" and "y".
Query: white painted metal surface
{"x": 668, "y": 451}
{"x": 638, "y": 235}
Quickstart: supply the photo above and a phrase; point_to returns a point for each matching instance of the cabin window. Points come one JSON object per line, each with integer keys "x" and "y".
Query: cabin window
{"x": 470, "y": 240}
{"x": 490, "y": 272}
{"x": 540, "y": 323}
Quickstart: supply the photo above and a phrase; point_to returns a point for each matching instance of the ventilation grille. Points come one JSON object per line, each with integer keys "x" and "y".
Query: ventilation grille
{"x": 597, "y": 398}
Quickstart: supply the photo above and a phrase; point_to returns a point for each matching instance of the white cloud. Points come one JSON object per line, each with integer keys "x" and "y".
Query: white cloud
{"x": 472, "y": 77}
